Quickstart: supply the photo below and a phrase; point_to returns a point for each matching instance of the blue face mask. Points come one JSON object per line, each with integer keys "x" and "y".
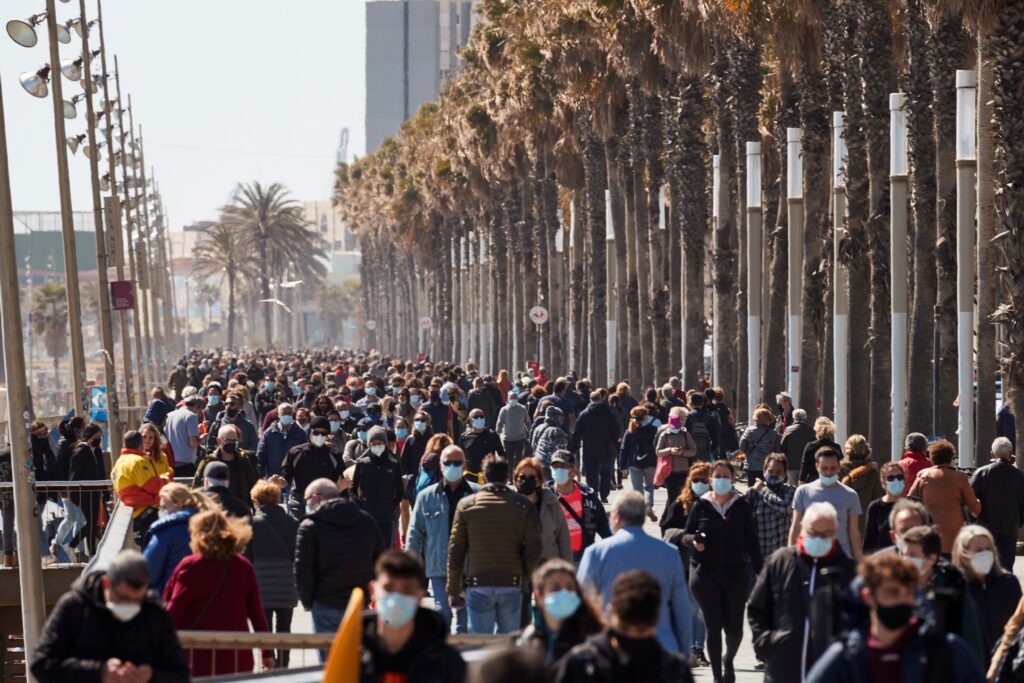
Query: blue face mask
{"x": 560, "y": 475}
{"x": 414, "y": 399}
{"x": 895, "y": 487}
{"x": 371, "y": 391}
{"x": 213, "y": 399}
{"x": 774, "y": 479}
{"x": 561, "y": 604}
{"x": 699, "y": 488}
{"x": 648, "y": 420}
{"x": 453, "y": 472}
{"x": 395, "y": 390}
{"x": 286, "y": 420}
{"x": 362, "y": 436}
{"x": 722, "y": 485}
{"x": 420, "y": 426}
{"x": 817, "y": 546}
{"x": 397, "y": 609}
{"x": 674, "y": 430}
{"x": 513, "y": 402}
{"x": 478, "y": 423}
{"x": 828, "y": 481}
{"x": 401, "y": 433}
{"x": 269, "y": 386}
{"x": 335, "y": 425}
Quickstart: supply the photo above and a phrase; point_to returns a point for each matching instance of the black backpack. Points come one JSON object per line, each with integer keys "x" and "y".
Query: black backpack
{"x": 701, "y": 434}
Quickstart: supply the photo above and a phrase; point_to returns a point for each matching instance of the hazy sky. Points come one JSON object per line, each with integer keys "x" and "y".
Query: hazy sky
{"x": 226, "y": 91}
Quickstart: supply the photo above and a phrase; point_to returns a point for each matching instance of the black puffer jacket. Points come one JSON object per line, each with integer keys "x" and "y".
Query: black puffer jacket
{"x": 377, "y": 485}
{"x": 430, "y": 659}
{"x": 81, "y": 634}
{"x": 273, "y": 551}
{"x": 305, "y": 464}
{"x": 335, "y": 550}
{"x": 598, "y": 662}
{"x": 779, "y": 606}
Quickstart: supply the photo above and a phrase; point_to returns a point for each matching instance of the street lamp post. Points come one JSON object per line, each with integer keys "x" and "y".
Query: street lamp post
{"x": 754, "y": 275}
{"x": 114, "y": 222}
{"x": 106, "y": 331}
{"x": 899, "y": 186}
{"x": 795, "y": 205}
{"x": 80, "y": 401}
{"x": 716, "y": 188}
{"x": 26, "y": 519}
{"x": 151, "y": 255}
{"x": 966, "y": 198}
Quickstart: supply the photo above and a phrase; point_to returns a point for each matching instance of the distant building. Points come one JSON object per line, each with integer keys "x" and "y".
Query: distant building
{"x": 411, "y": 50}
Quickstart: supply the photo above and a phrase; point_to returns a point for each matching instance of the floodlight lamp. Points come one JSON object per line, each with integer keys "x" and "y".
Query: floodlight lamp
{"x": 72, "y": 69}
{"x": 24, "y": 32}
{"x": 35, "y": 82}
{"x": 75, "y": 141}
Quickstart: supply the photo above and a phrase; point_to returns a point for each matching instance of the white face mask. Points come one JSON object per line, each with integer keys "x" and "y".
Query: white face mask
{"x": 918, "y": 562}
{"x": 377, "y": 450}
{"x": 318, "y": 440}
{"x": 982, "y": 561}
{"x": 124, "y": 612}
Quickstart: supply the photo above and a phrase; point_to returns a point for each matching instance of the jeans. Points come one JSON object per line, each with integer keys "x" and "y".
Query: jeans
{"x": 437, "y": 589}
{"x": 516, "y": 451}
{"x": 72, "y": 524}
{"x": 493, "y": 610}
{"x": 674, "y": 486}
{"x": 184, "y": 469}
{"x": 387, "y": 530}
{"x": 643, "y": 480}
{"x": 326, "y": 619}
{"x": 284, "y": 625}
{"x": 722, "y": 598}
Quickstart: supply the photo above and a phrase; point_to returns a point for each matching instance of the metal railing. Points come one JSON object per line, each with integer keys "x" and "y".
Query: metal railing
{"x": 229, "y": 646}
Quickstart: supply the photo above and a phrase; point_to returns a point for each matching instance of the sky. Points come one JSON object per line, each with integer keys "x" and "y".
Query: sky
{"x": 226, "y": 92}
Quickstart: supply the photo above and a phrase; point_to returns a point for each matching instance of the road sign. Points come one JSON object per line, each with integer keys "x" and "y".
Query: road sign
{"x": 371, "y": 325}
{"x": 426, "y": 322}
{"x": 539, "y": 315}
{"x": 122, "y": 295}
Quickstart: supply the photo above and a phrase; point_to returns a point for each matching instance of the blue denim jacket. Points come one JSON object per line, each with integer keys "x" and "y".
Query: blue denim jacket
{"x": 429, "y": 532}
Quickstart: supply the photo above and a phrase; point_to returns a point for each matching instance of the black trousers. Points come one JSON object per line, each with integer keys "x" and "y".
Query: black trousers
{"x": 721, "y": 594}
{"x": 284, "y": 625}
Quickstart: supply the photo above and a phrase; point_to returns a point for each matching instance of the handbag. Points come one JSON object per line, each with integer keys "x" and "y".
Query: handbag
{"x": 662, "y": 471}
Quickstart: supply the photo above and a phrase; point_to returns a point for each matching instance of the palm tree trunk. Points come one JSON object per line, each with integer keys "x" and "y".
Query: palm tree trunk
{"x": 643, "y": 244}
{"x": 596, "y": 178}
{"x": 880, "y": 76}
{"x": 987, "y": 353}
{"x": 1007, "y": 52}
{"x": 618, "y": 200}
{"x": 725, "y": 260}
{"x": 689, "y": 160}
{"x": 556, "y": 298}
{"x": 653, "y": 146}
{"x": 921, "y": 125}
{"x": 952, "y": 49}
{"x": 816, "y": 123}
{"x": 268, "y": 330}
{"x": 631, "y": 294}
{"x": 231, "y": 307}
{"x": 576, "y": 285}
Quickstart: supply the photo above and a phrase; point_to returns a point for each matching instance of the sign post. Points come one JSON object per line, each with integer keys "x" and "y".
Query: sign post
{"x": 539, "y": 316}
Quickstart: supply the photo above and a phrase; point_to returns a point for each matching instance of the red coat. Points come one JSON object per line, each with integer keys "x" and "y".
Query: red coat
{"x": 912, "y": 463}
{"x": 236, "y": 603}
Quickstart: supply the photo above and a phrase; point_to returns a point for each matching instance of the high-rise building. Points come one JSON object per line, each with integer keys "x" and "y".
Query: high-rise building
{"x": 411, "y": 49}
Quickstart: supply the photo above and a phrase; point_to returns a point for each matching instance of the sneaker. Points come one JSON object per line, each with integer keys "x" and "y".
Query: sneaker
{"x": 651, "y": 516}
{"x": 49, "y": 560}
{"x": 698, "y": 657}
{"x": 758, "y": 665}
{"x": 604, "y": 500}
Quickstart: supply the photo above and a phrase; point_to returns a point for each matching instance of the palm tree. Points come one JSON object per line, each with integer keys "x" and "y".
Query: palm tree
{"x": 207, "y": 295}
{"x": 226, "y": 251}
{"x": 50, "y": 321}
{"x": 281, "y": 237}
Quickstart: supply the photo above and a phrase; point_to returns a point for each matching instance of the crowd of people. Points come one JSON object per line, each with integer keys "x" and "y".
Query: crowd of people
{"x": 489, "y": 499}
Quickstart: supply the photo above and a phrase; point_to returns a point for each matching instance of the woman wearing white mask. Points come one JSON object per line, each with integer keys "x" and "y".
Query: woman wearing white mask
{"x": 995, "y": 592}
{"x": 562, "y": 617}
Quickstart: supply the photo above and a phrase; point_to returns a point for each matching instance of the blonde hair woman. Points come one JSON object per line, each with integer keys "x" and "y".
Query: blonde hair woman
{"x": 215, "y": 589}
{"x": 167, "y": 541}
{"x": 824, "y": 433}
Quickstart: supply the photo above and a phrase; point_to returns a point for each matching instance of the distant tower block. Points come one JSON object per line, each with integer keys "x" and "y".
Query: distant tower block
{"x": 343, "y": 146}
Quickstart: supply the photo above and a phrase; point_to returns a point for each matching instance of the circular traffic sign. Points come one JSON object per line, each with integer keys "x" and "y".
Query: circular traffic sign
{"x": 371, "y": 325}
{"x": 426, "y": 322}
{"x": 539, "y": 315}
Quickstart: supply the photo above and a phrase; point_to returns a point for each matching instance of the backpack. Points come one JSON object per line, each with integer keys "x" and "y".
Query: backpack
{"x": 702, "y": 437}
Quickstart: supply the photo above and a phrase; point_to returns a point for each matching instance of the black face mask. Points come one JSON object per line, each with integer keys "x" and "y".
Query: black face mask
{"x": 527, "y": 485}
{"x": 231, "y": 412}
{"x": 229, "y": 447}
{"x": 894, "y": 617}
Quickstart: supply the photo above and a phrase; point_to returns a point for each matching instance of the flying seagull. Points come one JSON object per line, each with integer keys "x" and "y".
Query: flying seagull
{"x": 277, "y": 302}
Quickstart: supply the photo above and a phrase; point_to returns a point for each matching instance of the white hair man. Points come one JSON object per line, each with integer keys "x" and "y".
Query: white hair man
{"x": 632, "y": 548}
{"x": 279, "y": 438}
{"x": 780, "y": 614}
{"x": 999, "y": 486}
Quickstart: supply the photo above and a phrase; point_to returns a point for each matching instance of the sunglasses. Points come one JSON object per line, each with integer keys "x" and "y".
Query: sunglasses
{"x": 894, "y": 477}
{"x": 700, "y": 480}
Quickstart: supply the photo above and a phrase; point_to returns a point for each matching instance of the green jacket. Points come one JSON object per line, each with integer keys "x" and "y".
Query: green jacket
{"x": 247, "y": 475}
{"x": 495, "y": 540}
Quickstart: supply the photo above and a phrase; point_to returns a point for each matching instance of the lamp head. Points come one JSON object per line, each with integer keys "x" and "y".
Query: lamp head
{"x": 63, "y": 35}
{"x": 69, "y": 109}
{"x": 90, "y": 150}
{"x": 35, "y": 82}
{"x": 105, "y": 183}
{"x": 24, "y": 32}
{"x": 75, "y": 142}
{"x": 72, "y": 69}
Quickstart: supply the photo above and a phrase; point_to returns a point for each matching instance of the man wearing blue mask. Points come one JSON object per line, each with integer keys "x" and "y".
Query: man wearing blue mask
{"x": 432, "y": 518}
{"x": 279, "y": 438}
{"x": 794, "y": 607}
{"x": 513, "y": 426}
{"x": 583, "y": 510}
{"x": 401, "y": 640}
{"x": 828, "y": 489}
{"x": 478, "y": 442}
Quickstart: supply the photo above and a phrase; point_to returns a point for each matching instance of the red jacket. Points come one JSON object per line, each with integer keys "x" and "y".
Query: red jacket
{"x": 193, "y": 585}
{"x": 912, "y": 463}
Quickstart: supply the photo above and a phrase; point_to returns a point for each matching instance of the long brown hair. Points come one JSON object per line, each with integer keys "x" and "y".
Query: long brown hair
{"x": 589, "y": 616}
{"x": 636, "y": 418}
{"x": 687, "y": 498}
{"x": 156, "y": 453}
{"x": 216, "y": 536}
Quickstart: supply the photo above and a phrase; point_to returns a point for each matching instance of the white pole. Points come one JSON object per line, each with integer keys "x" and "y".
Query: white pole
{"x": 899, "y": 300}
{"x": 716, "y": 181}
{"x": 841, "y": 323}
{"x": 755, "y": 279}
{"x": 966, "y": 198}
{"x": 795, "y": 202}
